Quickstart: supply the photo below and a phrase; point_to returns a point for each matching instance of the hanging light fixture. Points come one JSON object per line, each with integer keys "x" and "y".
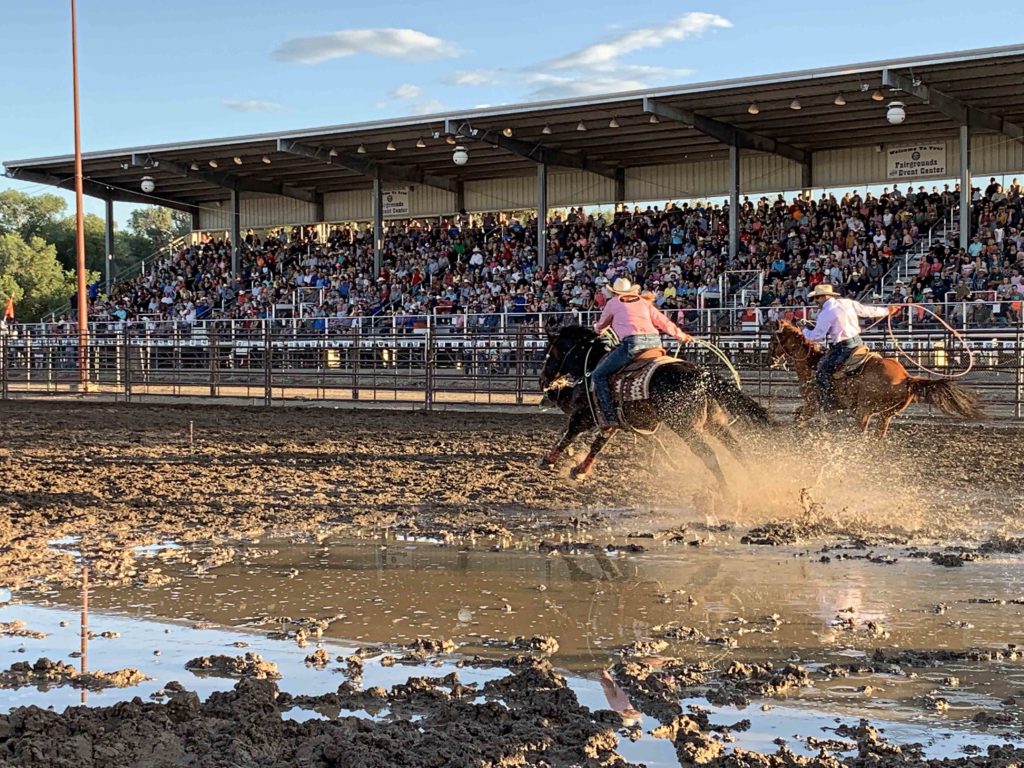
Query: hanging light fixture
{"x": 450, "y": 139}
{"x": 840, "y": 101}
{"x": 391, "y": 146}
{"x": 194, "y": 167}
{"x": 213, "y": 163}
{"x": 654, "y": 120}
{"x": 506, "y": 132}
{"x": 265, "y": 160}
{"x": 581, "y": 126}
{"x": 613, "y": 123}
{"x": 795, "y": 104}
{"x": 546, "y": 130}
{"x": 237, "y": 160}
{"x": 334, "y": 152}
{"x": 420, "y": 143}
{"x": 877, "y": 95}
{"x": 753, "y": 109}
{"x": 360, "y": 150}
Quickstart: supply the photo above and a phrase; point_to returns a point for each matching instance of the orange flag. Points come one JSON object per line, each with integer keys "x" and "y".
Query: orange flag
{"x": 9, "y": 309}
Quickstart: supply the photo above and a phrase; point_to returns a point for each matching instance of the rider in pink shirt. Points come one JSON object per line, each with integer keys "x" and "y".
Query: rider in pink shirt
{"x": 637, "y": 323}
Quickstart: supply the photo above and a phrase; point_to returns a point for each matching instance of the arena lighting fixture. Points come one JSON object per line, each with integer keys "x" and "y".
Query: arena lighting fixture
{"x": 877, "y": 95}
{"x": 420, "y": 144}
{"x": 334, "y": 152}
{"x": 581, "y": 126}
{"x": 360, "y": 150}
{"x": 896, "y": 114}
{"x": 265, "y": 160}
{"x": 654, "y": 120}
{"x": 237, "y": 160}
{"x": 194, "y": 167}
{"x": 795, "y": 104}
{"x": 506, "y": 132}
{"x": 546, "y": 130}
{"x": 148, "y": 185}
{"x": 613, "y": 123}
{"x": 460, "y": 155}
{"x": 391, "y": 146}
{"x": 753, "y": 109}
{"x": 451, "y": 140}
{"x": 213, "y": 163}
{"x": 840, "y": 101}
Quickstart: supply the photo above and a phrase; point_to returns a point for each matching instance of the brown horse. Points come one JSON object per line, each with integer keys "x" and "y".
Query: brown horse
{"x": 883, "y": 387}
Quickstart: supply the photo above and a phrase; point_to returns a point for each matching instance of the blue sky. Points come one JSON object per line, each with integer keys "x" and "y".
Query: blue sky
{"x": 171, "y": 71}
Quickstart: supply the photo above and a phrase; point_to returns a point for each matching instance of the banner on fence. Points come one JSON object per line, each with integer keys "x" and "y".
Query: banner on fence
{"x": 916, "y": 160}
{"x": 395, "y": 202}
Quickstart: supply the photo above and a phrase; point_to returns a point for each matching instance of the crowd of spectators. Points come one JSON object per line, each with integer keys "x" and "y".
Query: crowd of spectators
{"x": 487, "y": 265}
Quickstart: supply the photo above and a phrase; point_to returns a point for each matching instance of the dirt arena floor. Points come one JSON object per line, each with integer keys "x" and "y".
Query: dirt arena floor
{"x": 206, "y": 487}
{"x": 118, "y": 476}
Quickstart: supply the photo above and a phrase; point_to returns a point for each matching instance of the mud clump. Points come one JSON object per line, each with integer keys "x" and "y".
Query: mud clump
{"x": 538, "y": 643}
{"x": 539, "y": 723}
{"x": 51, "y": 674}
{"x": 18, "y": 629}
{"x": 250, "y": 665}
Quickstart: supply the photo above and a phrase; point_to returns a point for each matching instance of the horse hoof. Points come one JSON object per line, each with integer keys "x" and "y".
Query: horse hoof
{"x": 579, "y": 474}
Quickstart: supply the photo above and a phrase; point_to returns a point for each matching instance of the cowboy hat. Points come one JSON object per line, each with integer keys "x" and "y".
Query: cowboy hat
{"x": 822, "y": 289}
{"x": 622, "y": 286}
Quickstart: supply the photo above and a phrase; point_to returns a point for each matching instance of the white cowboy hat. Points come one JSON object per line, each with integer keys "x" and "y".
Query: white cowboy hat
{"x": 622, "y": 286}
{"x": 822, "y": 289}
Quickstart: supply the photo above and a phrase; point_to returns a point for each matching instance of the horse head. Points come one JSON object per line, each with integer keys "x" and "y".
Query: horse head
{"x": 786, "y": 342}
{"x": 571, "y": 348}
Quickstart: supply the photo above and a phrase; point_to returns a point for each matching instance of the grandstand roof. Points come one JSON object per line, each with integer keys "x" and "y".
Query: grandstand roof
{"x": 982, "y": 86}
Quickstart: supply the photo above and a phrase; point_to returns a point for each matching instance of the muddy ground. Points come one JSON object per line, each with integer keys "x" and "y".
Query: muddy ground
{"x": 102, "y": 479}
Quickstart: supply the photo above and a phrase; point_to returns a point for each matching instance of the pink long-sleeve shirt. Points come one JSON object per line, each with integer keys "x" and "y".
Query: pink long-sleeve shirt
{"x": 630, "y": 316}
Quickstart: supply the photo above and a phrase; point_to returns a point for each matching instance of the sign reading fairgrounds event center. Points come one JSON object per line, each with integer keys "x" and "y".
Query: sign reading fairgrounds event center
{"x": 916, "y": 161}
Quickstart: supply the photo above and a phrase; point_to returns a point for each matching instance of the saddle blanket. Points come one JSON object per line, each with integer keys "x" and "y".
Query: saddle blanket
{"x": 633, "y": 381}
{"x": 855, "y": 362}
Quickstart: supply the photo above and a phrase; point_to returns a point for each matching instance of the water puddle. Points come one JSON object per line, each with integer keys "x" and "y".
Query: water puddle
{"x": 719, "y": 605}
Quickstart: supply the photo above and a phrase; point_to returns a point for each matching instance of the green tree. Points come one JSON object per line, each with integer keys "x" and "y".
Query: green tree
{"x": 159, "y": 225}
{"x": 28, "y": 215}
{"x": 61, "y": 234}
{"x": 32, "y": 275}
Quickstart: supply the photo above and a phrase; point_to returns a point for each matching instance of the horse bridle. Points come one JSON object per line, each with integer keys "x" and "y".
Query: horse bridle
{"x": 565, "y": 359}
{"x": 783, "y": 366}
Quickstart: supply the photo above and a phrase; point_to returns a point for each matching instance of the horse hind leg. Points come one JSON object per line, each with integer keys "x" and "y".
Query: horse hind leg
{"x": 572, "y": 430}
{"x": 703, "y": 450}
{"x": 889, "y": 415}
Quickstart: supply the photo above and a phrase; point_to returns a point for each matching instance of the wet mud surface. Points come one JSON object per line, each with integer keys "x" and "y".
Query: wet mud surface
{"x": 382, "y": 588}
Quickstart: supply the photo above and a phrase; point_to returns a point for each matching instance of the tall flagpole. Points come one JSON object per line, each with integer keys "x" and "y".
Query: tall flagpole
{"x": 83, "y": 298}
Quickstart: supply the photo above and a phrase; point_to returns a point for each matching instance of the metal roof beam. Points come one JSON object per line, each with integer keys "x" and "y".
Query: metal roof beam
{"x": 959, "y": 111}
{"x": 99, "y": 189}
{"x": 367, "y": 166}
{"x": 538, "y": 153}
{"x": 223, "y": 179}
{"x": 730, "y": 135}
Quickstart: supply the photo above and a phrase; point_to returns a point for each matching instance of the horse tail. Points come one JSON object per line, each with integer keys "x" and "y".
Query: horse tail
{"x": 946, "y": 395}
{"x": 728, "y": 395}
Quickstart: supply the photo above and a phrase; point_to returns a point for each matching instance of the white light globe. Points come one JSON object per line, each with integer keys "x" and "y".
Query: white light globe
{"x": 460, "y": 155}
{"x": 148, "y": 185}
{"x": 896, "y": 114}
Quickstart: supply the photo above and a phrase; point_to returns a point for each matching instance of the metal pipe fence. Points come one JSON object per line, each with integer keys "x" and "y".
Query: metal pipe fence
{"x": 432, "y": 362}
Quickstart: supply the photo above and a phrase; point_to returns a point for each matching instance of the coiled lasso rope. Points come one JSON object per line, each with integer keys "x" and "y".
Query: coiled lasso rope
{"x": 719, "y": 353}
{"x": 912, "y": 361}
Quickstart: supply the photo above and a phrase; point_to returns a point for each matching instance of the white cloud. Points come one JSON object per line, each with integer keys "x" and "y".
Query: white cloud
{"x": 252, "y": 105}
{"x": 407, "y": 44}
{"x": 548, "y": 86}
{"x": 427, "y": 107}
{"x": 475, "y": 77}
{"x": 406, "y": 91}
{"x": 604, "y": 56}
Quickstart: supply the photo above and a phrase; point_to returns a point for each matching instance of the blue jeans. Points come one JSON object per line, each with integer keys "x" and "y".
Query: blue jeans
{"x": 614, "y": 361}
{"x": 833, "y": 360}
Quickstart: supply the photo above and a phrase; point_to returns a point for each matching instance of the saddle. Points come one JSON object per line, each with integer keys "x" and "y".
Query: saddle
{"x": 632, "y": 382}
{"x": 855, "y": 362}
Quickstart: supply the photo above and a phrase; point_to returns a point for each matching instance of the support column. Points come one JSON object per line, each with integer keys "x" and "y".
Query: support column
{"x": 319, "y": 213}
{"x": 378, "y": 227}
{"x": 542, "y": 215}
{"x": 108, "y": 242}
{"x": 460, "y": 196}
{"x": 734, "y": 202}
{"x": 806, "y": 179}
{"x": 236, "y": 235}
{"x": 196, "y": 225}
{"x": 965, "y": 187}
{"x": 620, "y": 186}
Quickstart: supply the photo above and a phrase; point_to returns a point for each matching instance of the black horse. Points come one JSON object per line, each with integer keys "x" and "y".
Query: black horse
{"x": 689, "y": 399}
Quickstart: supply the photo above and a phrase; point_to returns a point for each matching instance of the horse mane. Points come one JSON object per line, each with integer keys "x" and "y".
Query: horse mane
{"x": 788, "y": 328}
{"x": 577, "y": 333}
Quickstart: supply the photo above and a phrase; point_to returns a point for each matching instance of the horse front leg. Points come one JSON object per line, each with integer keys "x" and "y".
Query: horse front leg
{"x": 587, "y": 465}
{"x": 577, "y": 423}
